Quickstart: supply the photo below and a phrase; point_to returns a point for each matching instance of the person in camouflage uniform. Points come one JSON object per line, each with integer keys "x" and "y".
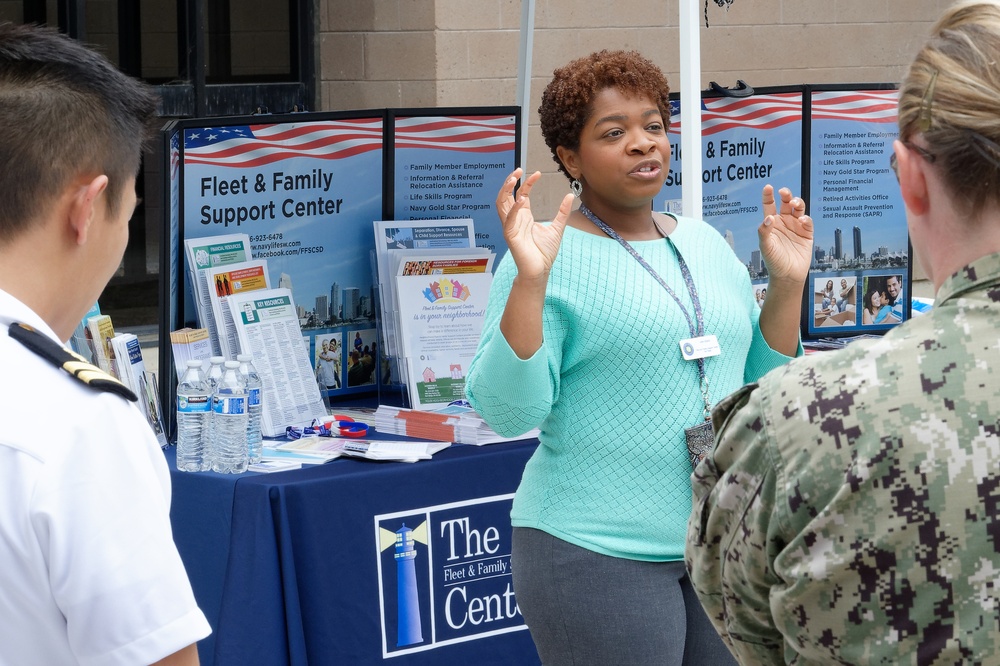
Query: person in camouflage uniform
{"x": 850, "y": 510}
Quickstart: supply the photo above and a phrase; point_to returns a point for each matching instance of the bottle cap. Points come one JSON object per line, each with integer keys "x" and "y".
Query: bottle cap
{"x": 194, "y": 363}
{"x": 217, "y": 359}
{"x": 233, "y": 365}
{"x": 244, "y": 358}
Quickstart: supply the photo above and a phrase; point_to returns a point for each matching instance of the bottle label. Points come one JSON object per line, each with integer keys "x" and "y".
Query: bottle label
{"x": 224, "y": 405}
{"x": 254, "y": 397}
{"x": 192, "y": 404}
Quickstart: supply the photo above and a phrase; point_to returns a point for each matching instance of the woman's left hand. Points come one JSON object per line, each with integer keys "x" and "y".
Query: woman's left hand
{"x": 786, "y": 236}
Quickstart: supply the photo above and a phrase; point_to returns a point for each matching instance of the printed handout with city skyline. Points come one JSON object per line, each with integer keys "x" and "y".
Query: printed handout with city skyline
{"x": 306, "y": 194}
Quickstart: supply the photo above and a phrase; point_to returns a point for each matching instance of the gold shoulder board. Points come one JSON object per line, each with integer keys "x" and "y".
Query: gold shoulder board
{"x": 72, "y": 363}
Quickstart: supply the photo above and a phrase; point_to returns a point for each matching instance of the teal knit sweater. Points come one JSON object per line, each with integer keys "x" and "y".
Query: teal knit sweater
{"x": 609, "y": 389}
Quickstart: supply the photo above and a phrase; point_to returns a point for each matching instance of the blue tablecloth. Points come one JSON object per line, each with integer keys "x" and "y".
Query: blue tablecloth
{"x": 309, "y": 566}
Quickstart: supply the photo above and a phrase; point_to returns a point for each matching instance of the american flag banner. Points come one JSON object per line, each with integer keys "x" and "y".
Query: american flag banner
{"x": 175, "y": 154}
{"x": 248, "y": 146}
{"x": 872, "y": 106}
{"x": 760, "y": 112}
{"x": 474, "y": 134}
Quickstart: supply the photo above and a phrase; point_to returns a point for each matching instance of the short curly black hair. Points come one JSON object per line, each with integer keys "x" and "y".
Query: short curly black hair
{"x": 567, "y": 100}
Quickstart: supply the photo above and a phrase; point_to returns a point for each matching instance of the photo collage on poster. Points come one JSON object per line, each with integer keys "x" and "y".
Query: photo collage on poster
{"x": 873, "y": 300}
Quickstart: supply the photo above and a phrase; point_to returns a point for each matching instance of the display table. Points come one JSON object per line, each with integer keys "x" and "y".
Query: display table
{"x": 355, "y": 562}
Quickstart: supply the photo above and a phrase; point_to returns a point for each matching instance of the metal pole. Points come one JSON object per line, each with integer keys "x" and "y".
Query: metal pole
{"x": 690, "y": 30}
{"x": 524, "y": 74}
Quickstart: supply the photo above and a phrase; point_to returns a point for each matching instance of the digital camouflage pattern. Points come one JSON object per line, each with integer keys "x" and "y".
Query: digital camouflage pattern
{"x": 850, "y": 511}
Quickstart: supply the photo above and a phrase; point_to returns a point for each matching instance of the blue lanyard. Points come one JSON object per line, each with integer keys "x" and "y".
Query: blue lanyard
{"x": 696, "y": 331}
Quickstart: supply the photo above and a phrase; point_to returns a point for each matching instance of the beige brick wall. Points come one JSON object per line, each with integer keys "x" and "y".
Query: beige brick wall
{"x": 400, "y": 53}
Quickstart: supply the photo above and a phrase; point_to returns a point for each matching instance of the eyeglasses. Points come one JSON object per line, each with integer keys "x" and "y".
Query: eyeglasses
{"x": 923, "y": 152}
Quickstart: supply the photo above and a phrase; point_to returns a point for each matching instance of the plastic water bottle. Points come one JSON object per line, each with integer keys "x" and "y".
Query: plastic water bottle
{"x": 229, "y": 422}
{"x": 255, "y": 393}
{"x": 194, "y": 412}
{"x": 214, "y": 376}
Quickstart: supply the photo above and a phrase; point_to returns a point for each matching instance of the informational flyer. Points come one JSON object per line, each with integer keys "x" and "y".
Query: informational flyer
{"x": 746, "y": 144}
{"x": 228, "y": 281}
{"x": 203, "y": 254}
{"x": 860, "y": 273}
{"x": 444, "y": 265}
{"x": 306, "y": 194}
{"x": 451, "y": 167}
{"x": 393, "y": 237}
{"x": 269, "y": 330}
{"x": 441, "y": 318}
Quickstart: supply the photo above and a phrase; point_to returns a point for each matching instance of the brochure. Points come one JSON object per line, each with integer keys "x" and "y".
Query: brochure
{"x": 433, "y": 262}
{"x": 99, "y": 332}
{"x": 267, "y": 326}
{"x": 442, "y": 262}
{"x": 456, "y": 422}
{"x": 440, "y": 318}
{"x": 227, "y": 281}
{"x": 372, "y": 449}
{"x": 203, "y": 254}
{"x": 81, "y": 342}
{"x": 149, "y": 398}
{"x": 266, "y": 466}
{"x": 320, "y": 447}
{"x": 410, "y": 235}
{"x": 132, "y": 373}
{"x": 189, "y": 343}
{"x": 364, "y": 415}
{"x": 128, "y": 359}
{"x": 300, "y": 457}
{"x": 399, "y": 451}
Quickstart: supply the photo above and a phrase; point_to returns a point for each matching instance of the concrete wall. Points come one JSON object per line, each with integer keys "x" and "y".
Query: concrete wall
{"x": 460, "y": 52}
{"x": 426, "y": 53}
{"x": 464, "y": 52}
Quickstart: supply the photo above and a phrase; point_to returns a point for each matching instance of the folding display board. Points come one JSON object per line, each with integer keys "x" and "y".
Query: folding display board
{"x": 447, "y": 164}
{"x": 169, "y": 285}
{"x": 861, "y": 275}
{"x": 831, "y": 146}
{"x": 306, "y": 188}
{"x": 747, "y": 141}
{"x": 450, "y": 163}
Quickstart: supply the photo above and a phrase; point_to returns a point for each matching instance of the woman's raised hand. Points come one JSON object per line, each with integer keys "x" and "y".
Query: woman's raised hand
{"x": 786, "y": 236}
{"x": 533, "y": 245}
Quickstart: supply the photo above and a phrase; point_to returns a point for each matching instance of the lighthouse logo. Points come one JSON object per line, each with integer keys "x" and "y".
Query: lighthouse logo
{"x": 403, "y": 544}
{"x": 444, "y": 575}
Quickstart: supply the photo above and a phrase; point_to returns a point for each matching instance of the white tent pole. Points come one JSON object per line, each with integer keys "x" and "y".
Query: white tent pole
{"x": 524, "y": 74}
{"x": 690, "y": 30}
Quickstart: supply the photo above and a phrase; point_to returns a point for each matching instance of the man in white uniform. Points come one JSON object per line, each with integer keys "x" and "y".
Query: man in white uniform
{"x": 89, "y": 573}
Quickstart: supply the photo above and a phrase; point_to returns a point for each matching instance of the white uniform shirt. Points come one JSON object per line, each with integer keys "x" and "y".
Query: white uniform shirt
{"x": 89, "y": 572}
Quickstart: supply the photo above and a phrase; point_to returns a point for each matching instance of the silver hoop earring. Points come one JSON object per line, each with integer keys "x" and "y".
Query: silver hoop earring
{"x": 576, "y": 187}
